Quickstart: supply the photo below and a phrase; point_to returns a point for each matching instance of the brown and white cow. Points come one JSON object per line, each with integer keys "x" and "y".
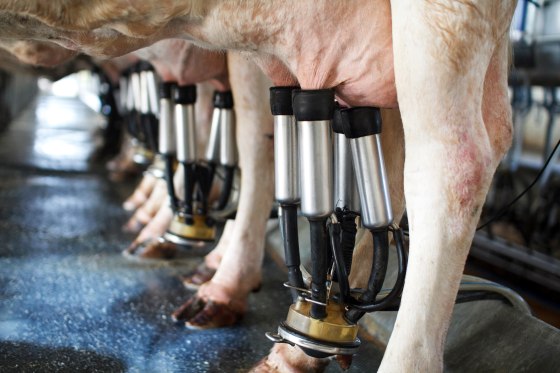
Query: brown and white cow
{"x": 443, "y": 62}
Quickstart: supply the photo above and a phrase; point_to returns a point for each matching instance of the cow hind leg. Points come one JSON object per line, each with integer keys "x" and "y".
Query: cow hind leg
{"x": 443, "y": 52}
{"x": 223, "y": 300}
{"x": 148, "y": 210}
{"x": 206, "y": 270}
{"x": 141, "y": 193}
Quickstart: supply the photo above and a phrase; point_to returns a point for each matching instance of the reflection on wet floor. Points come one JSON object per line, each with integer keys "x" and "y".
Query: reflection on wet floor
{"x": 56, "y": 134}
{"x": 69, "y": 300}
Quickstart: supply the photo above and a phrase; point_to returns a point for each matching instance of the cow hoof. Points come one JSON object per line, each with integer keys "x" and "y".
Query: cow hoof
{"x": 344, "y": 361}
{"x": 189, "y": 309}
{"x": 133, "y": 226}
{"x": 285, "y": 358}
{"x": 263, "y": 367}
{"x": 198, "y": 314}
{"x": 152, "y": 249}
{"x": 214, "y": 315}
{"x": 131, "y": 206}
{"x": 201, "y": 274}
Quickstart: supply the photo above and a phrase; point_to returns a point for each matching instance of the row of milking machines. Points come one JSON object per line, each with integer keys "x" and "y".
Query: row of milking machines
{"x": 329, "y": 169}
{"x": 316, "y": 144}
{"x": 161, "y": 119}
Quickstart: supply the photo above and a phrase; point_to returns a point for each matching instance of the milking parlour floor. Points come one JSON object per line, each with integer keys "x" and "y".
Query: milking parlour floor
{"x": 69, "y": 301}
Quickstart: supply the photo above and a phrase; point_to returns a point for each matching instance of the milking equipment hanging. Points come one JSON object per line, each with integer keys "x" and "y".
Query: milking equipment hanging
{"x": 323, "y": 318}
{"x": 194, "y": 219}
{"x": 139, "y": 96}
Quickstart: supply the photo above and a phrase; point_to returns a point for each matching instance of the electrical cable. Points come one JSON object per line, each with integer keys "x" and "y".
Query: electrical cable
{"x": 504, "y": 209}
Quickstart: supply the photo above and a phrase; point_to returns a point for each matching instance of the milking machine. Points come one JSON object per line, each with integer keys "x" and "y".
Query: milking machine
{"x": 322, "y": 321}
{"x": 167, "y": 138}
{"x": 141, "y": 111}
{"x": 194, "y": 221}
{"x": 149, "y": 112}
{"x": 110, "y": 108}
{"x": 222, "y": 149}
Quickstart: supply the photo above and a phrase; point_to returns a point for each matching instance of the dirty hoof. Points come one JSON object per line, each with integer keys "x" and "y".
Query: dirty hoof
{"x": 152, "y": 249}
{"x": 344, "y": 361}
{"x": 188, "y": 310}
{"x": 198, "y": 313}
{"x": 133, "y": 225}
{"x": 130, "y": 206}
{"x": 262, "y": 367}
{"x": 214, "y": 315}
{"x": 198, "y": 276}
{"x": 285, "y": 358}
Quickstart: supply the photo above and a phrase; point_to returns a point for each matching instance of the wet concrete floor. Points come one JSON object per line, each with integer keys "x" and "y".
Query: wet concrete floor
{"x": 69, "y": 301}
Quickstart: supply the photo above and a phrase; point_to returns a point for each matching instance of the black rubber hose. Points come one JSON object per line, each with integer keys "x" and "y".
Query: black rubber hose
{"x": 150, "y": 125}
{"x": 189, "y": 169}
{"x": 289, "y": 229}
{"x": 227, "y": 186}
{"x": 319, "y": 268}
{"x": 347, "y": 235}
{"x": 397, "y": 288}
{"x": 379, "y": 267}
{"x": 463, "y": 296}
{"x": 204, "y": 174}
{"x": 378, "y": 272}
{"x": 339, "y": 261}
{"x": 133, "y": 126}
{"x": 168, "y": 162}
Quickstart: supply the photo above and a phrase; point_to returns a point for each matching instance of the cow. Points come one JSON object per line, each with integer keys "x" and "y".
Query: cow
{"x": 442, "y": 62}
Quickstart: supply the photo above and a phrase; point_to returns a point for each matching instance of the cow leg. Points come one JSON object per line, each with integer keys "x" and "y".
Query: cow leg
{"x": 141, "y": 193}
{"x": 206, "y": 270}
{"x": 442, "y": 54}
{"x": 239, "y": 272}
{"x": 147, "y": 244}
{"x": 149, "y": 209}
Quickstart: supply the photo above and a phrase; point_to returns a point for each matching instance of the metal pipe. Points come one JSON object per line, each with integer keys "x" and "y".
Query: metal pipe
{"x": 228, "y": 146}
{"x": 286, "y": 181}
{"x": 286, "y": 177}
{"x": 363, "y": 126}
{"x": 144, "y": 93}
{"x": 167, "y": 135}
{"x": 345, "y": 187}
{"x": 123, "y": 92}
{"x": 316, "y": 171}
{"x": 152, "y": 92}
{"x": 185, "y": 125}
{"x": 185, "y": 98}
{"x": 314, "y": 110}
{"x": 167, "y": 139}
{"x": 136, "y": 96}
{"x": 212, "y": 154}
